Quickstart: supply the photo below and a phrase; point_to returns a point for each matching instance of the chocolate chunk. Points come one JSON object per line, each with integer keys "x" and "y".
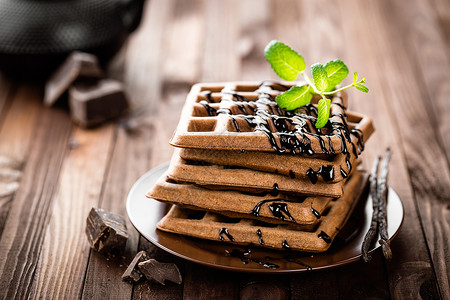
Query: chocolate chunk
{"x": 159, "y": 272}
{"x": 106, "y": 232}
{"x": 92, "y": 104}
{"x": 77, "y": 64}
{"x": 132, "y": 273}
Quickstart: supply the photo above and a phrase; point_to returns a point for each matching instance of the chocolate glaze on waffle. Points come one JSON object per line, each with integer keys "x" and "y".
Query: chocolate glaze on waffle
{"x": 232, "y": 110}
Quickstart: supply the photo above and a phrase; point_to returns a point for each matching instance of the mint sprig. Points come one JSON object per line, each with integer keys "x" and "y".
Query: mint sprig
{"x": 288, "y": 64}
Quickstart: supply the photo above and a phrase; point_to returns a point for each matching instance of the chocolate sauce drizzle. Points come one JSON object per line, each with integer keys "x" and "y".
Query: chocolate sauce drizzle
{"x": 315, "y": 212}
{"x": 261, "y": 241}
{"x": 225, "y": 231}
{"x": 327, "y": 173}
{"x": 209, "y": 109}
{"x": 291, "y": 174}
{"x": 291, "y": 131}
{"x": 325, "y": 237}
{"x": 275, "y": 190}
{"x": 245, "y": 258}
{"x": 276, "y": 208}
{"x": 285, "y": 244}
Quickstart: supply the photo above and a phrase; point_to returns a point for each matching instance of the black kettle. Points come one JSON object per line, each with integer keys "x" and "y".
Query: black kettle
{"x": 36, "y": 35}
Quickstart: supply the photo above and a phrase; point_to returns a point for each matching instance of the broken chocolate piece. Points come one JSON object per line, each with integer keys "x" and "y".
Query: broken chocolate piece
{"x": 132, "y": 273}
{"x": 91, "y": 105}
{"x": 77, "y": 64}
{"x": 106, "y": 232}
{"x": 159, "y": 272}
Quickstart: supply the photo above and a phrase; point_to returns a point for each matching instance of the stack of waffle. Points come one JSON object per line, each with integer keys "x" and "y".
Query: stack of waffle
{"x": 248, "y": 172}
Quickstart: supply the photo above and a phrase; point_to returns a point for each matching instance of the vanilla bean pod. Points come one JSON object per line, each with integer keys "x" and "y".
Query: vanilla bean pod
{"x": 382, "y": 192}
{"x": 374, "y": 223}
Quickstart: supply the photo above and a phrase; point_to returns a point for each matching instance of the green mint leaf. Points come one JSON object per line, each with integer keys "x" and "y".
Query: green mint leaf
{"x": 284, "y": 61}
{"x": 320, "y": 77}
{"x": 355, "y": 77}
{"x": 323, "y": 112}
{"x": 337, "y": 71}
{"x": 295, "y": 97}
{"x": 362, "y": 87}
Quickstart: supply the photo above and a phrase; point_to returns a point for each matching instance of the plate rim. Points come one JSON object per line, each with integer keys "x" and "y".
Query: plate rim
{"x": 237, "y": 269}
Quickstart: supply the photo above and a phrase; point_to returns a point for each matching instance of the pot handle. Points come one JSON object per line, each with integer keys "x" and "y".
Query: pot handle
{"x": 131, "y": 12}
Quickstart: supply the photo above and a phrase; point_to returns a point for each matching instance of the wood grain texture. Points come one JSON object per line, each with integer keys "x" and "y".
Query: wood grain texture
{"x": 129, "y": 161}
{"x": 23, "y": 235}
{"x": 410, "y": 270}
{"x": 430, "y": 176}
{"x": 143, "y": 61}
{"x": 16, "y": 134}
{"x": 206, "y": 283}
{"x": 219, "y": 61}
{"x": 65, "y": 251}
{"x": 152, "y": 290}
{"x": 256, "y": 286}
{"x": 183, "y": 42}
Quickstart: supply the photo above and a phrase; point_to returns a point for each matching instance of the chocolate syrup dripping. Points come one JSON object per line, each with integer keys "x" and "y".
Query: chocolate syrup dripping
{"x": 275, "y": 190}
{"x": 208, "y": 96}
{"x": 225, "y": 231}
{"x": 285, "y": 244}
{"x": 243, "y": 256}
{"x": 258, "y": 232}
{"x": 330, "y": 145}
{"x": 291, "y": 174}
{"x": 343, "y": 173}
{"x": 322, "y": 144}
{"x": 242, "y": 150}
{"x": 325, "y": 237}
{"x": 210, "y": 110}
{"x": 327, "y": 173}
{"x": 348, "y": 163}
{"x": 359, "y": 137}
{"x": 308, "y": 267}
{"x": 278, "y": 209}
{"x": 312, "y": 175}
{"x": 235, "y": 124}
{"x": 355, "y": 153}
{"x": 315, "y": 212}
{"x": 255, "y": 211}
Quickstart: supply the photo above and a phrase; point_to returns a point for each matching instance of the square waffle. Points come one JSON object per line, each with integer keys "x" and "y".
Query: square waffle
{"x": 243, "y": 179}
{"x": 300, "y": 211}
{"x": 331, "y": 168}
{"x": 237, "y": 115}
{"x": 212, "y": 226}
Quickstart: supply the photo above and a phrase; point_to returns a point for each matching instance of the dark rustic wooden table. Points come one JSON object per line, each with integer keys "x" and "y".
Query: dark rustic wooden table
{"x": 53, "y": 172}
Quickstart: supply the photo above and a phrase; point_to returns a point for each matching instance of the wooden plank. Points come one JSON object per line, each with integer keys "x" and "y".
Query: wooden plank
{"x": 129, "y": 161}
{"x": 208, "y": 283}
{"x": 409, "y": 271}
{"x": 16, "y": 134}
{"x": 427, "y": 164}
{"x": 29, "y": 216}
{"x": 131, "y": 157}
{"x": 142, "y": 72}
{"x": 183, "y": 43}
{"x": 220, "y": 61}
{"x": 152, "y": 290}
{"x": 427, "y": 49}
{"x": 257, "y": 286}
{"x": 442, "y": 14}
{"x": 65, "y": 251}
